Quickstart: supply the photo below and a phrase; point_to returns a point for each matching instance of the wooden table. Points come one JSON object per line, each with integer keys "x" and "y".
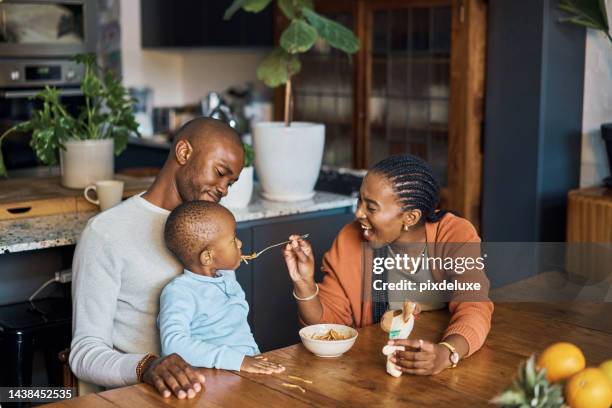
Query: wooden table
{"x": 359, "y": 378}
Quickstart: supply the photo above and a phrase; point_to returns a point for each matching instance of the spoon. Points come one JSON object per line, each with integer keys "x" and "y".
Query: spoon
{"x": 254, "y": 255}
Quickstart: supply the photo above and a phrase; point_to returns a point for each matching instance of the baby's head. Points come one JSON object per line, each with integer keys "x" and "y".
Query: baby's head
{"x": 203, "y": 234}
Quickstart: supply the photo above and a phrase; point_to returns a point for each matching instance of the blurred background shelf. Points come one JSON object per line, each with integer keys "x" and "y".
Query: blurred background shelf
{"x": 415, "y": 86}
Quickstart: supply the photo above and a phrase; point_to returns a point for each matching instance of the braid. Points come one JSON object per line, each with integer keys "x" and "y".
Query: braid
{"x": 413, "y": 184}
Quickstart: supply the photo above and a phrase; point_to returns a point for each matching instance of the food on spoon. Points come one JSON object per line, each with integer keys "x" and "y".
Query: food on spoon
{"x": 247, "y": 258}
{"x": 331, "y": 334}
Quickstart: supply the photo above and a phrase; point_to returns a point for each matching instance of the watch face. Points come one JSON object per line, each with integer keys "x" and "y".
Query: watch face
{"x": 454, "y": 357}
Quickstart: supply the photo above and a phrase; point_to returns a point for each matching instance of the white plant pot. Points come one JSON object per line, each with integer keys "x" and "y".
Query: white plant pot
{"x": 288, "y": 159}
{"x": 86, "y": 161}
{"x": 239, "y": 194}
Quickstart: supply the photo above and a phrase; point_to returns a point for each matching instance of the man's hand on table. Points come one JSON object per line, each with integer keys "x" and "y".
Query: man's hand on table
{"x": 172, "y": 375}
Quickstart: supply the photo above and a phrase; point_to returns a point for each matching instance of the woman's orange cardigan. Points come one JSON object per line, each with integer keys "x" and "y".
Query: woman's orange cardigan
{"x": 342, "y": 291}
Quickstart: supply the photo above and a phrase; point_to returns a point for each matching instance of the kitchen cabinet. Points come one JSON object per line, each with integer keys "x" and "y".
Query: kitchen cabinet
{"x": 415, "y": 86}
{"x": 273, "y": 312}
{"x": 196, "y": 23}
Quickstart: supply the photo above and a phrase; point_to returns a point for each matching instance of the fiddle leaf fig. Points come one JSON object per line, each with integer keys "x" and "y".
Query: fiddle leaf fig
{"x": 235, "y": 6}
{"x": 255, "y": 6}
{"x": 335, "y": 34}
{"x": 278, "y": 67}
{"x": 291, "y": 8}
{"x": 299, "y": 37}
{"x": 305, "y": 27}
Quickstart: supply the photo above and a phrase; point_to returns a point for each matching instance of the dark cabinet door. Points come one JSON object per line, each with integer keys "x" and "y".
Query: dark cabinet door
{"x": 275, "y": 322}
{"x": 197, "y": 23}
{"x": 244, "y": 274}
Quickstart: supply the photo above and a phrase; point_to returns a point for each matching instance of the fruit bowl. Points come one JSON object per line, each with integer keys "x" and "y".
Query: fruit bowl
{"x": 328, "y": 348}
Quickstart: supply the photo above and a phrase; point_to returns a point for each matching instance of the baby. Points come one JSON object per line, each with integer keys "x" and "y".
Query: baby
{"x": 203, "y": 312}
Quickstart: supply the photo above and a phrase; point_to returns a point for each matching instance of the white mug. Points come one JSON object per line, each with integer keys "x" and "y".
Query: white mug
{"x": 109, "y": 193}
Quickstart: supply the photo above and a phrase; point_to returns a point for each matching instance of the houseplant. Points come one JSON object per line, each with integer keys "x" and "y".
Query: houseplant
{"x": 83, "y": 144}
{"x": 591, "y": 14}
{"x": 240, "y": 192}
{"x": 288, "y": 155}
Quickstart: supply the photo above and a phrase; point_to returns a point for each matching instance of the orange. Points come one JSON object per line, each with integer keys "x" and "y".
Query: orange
{"x": 561, "y": 361}
{"x": 589, "y": 388}
{"x": 606, "y": 367}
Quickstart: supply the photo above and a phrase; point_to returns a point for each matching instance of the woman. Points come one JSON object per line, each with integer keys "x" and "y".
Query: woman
{"x": 396, "y": 208}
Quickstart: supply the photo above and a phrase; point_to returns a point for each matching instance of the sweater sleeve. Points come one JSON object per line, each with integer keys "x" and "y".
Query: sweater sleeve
{"x": 472, "y": 320}
{"x": 95, "y": 290}
{"x": 333, "y": 296}
{"x": 471, "y": 312}
{"x": 176, "y": 313}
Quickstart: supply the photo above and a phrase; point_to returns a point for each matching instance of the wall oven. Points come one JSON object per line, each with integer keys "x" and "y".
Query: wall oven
{"x": 20, "y": 81}
{"x": 47, "y": 28}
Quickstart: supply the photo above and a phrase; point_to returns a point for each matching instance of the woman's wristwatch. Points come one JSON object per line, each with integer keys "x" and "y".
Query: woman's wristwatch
{"x": 454, "y": 356}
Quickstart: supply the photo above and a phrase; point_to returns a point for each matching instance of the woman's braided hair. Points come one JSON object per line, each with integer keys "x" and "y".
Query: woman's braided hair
{"x": 413, "y": 184}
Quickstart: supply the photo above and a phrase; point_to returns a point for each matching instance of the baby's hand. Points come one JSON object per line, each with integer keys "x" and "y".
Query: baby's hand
{"x": 260, "y": 365}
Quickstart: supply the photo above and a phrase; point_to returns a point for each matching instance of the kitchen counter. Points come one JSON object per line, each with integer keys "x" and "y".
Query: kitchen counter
{"x": 27, "y": 234}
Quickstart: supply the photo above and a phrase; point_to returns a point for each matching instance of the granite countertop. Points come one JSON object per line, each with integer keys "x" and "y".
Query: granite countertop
{"x": 29, "y": 234}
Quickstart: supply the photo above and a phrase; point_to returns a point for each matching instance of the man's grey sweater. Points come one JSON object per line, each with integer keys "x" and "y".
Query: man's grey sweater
{"x": 120, "y": 266}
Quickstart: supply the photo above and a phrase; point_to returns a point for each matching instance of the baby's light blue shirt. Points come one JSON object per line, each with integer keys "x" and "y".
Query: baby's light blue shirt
{"x": 204, "y": 320}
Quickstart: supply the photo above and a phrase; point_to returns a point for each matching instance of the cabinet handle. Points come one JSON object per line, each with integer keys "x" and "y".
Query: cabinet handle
{"x": 18, "y": 210}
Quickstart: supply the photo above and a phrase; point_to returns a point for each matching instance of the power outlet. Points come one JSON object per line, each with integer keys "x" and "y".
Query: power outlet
{"x": 64, "y": 276}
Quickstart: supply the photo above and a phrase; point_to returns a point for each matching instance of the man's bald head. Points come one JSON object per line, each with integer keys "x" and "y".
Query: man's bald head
{"x": 207, "y": 157}
{"x": 205, "y": 130}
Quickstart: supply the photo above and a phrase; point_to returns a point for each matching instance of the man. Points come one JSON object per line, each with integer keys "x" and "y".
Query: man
{"x": 121, "y": 265}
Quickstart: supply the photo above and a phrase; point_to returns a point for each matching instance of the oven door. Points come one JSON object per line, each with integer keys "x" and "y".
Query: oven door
{"x": 46, "y": 28}
{"x": 16, "y": 106}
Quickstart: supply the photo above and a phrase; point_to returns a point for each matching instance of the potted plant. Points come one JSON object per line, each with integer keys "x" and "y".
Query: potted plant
{"x": 288, "y": 155}
{"x": 240, "y": 192}
{"x": 85, "y": 144}
{"x": 592, "y": 14}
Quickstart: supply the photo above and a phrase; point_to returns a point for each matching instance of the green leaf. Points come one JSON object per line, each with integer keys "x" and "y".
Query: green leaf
{"x": 291, "y": 8}
{"x": 236, "y": 5}
{"x": 121, "y": 139}
{"x": 298, "y": 37}
{"x": 249, "y": 155}
{"x": 509, "y": 398}
{"x": 278, "y": 67}
{"x": 255, "y": 6}
{"x": 588, "y": 13}
{"x": 334, "y": 33}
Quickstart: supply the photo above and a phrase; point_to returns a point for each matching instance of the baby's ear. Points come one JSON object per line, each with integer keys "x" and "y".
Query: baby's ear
{"x": 206, "y": 257}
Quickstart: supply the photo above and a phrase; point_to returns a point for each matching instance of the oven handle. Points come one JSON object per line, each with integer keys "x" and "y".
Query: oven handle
{"x": 30, "y": 93}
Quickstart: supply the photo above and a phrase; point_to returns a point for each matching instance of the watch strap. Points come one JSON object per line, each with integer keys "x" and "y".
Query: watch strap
{"x": 453, "y": 351}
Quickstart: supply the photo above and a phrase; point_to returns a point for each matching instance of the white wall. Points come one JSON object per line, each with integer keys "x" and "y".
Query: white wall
{"x": 180, "y": 77}
{"x": 597, "y": 108}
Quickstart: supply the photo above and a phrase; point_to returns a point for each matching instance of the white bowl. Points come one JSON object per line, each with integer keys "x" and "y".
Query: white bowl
{"x": 328, "y": 348}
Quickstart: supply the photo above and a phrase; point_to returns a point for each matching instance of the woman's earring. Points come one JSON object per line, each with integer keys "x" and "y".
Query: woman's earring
{"x": 405, "y": 227}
